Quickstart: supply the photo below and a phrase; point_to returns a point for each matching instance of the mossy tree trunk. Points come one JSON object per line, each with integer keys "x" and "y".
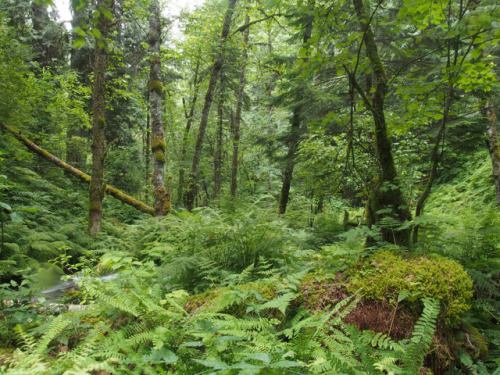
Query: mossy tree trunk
{"x": 295, "y": 130}
{"x": 493, "y": 145}
{"x": 239, "y": 106}
{"x": 390, "y": 210}
{"x": 96, "y": 190}
{"x": 216, "y": 68}
{"x": 161, "y": 196}
{"x": 118, "y": 194}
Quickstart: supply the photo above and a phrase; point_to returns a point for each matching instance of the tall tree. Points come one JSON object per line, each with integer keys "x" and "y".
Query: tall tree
{"x": 161, "y": 196}
{"x": 239, "y": 106}
{"x": 493, "y": 144}
{"x": 216, "y": 68}
{"x": 96, "y": 190}
{"x": 295, "y": 131}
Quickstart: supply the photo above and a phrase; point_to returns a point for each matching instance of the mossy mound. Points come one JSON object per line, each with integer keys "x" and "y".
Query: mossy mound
{"x": 387, "y": 276}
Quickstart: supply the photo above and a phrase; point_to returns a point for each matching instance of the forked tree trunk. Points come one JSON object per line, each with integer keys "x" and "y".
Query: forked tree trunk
{"x": 239, "y": 106}
{"x": 493, "y": 145}
{"x": 96, "y": 190}
{"x": 158, "y": 145}
{"x": 387, "y": 195}
{"x": 118, "y": 194}
{"x": 216, "y": 68}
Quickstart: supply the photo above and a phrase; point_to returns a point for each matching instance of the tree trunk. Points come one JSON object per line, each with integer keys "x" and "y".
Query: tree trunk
{"x": 290, "y": 161}
{"x": 218, "y": 149}
{"x": 161, "y": 197}
{"x": 239, "y": 106}
{"x": 294, "y": 130}
{"x": 216, "y": 68}
{"x": 96, "y": 190}
{"x": 118, "y": 194}
{"x": 387, "y": 195}
{"x": 189, "y": 122}
{"x": 493, "y": 145}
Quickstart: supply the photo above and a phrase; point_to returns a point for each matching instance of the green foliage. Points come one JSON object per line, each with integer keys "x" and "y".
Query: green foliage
{"x": 387, "y": 274}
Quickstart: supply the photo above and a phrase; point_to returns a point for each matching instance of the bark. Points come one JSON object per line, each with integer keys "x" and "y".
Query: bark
{"x": 118, "y": 194}
{"x": 294, "y": 132}
{"x": 290, "y": 163}
{"x": 189, "y": 122}
{"x": 158, "y": 145}
{"x": 387, "y": 194}
{"x": 216, "y": 68}
{"x": 218, "y": 149}
{"x": 493, "y": 145}
{"x": 96, "y": 190}
{"x": 239, "y": 106}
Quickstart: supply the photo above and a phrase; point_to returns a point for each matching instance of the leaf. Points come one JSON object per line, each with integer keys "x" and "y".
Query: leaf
{"x": 5, "y": 206}
{"x": 78, "y": 43}
{"x": 161, "y": 356}
{"x": 96, "y": 33}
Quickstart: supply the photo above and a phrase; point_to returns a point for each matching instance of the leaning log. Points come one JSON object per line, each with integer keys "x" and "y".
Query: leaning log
{"x": 118, "y": 194}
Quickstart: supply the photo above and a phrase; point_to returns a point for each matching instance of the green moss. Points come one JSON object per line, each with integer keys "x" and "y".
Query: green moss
{"x": 158, "y": 143}
{"x": 95, "y": 206}
{"x": 160, "y": 156}
{"x": 156, "y": 86}
{"x": 386, "y": 275}
{"x": 101, "y": 122}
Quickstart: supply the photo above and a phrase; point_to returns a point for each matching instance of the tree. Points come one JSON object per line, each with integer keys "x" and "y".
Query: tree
{"x": 96, "y": 190}
{"x": 216, "y": 68}
{"x": 161, "y": 196}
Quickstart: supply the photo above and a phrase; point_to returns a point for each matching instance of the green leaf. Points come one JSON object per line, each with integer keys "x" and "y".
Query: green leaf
{"x": 96, "y": 33}
{"x": 78, "y": 43}
{"x": 5, "y": 206}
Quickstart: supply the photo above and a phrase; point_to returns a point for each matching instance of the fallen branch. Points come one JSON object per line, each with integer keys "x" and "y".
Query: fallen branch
{"x": 118, "y": 194}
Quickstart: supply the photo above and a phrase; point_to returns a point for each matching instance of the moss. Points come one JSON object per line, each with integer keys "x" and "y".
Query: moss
{"x": 156, "y": 86}
{"x": 158, "y": 143}
{"x": 95, "y": 206}
{"x": 385, "y": 275}
{"x": 101, "y": 122}
{"x": 160, "y": 156}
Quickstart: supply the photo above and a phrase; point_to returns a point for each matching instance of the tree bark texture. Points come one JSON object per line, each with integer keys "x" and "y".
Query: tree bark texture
{"x": 218, "y": 149}
{"x": 290, "y": 161}
{"x": 239, "y": 106}
{"x": 294, "y": 129}
{"x": 96, "y": 190}
{"x": 493, "y": 145}
{"x": 387, "y": 194}
{"x": 189, "y": 122}
{"x": 161, "y": 197}
{"x": 216, "y": 68}
{"x": 118, "y": 194}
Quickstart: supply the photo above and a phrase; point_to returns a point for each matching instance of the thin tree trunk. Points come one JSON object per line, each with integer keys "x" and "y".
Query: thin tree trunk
{"x": 218, "y": 149}
{"x": 189, "y": 122}
{"x": 216, "y": 68}
{"x": 387, "y": 193}
{"x": 158, "y": 146}
{"x": 294, "y": 130}
{"x": 118, "y": 194}
{"x": 96, "y": 190}
{"x": 239, "y": 106}
{"x": 290, "y": 163}
{"x": 493, "y": 145}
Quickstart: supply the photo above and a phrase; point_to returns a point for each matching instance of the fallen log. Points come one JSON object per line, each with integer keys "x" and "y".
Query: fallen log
{"x": 118, "y": 194}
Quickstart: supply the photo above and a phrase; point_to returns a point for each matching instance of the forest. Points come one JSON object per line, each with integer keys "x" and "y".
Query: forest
{"x": 250, "y": 187}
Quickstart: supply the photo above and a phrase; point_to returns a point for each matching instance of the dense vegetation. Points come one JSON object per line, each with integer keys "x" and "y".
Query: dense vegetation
{"x": 251, "y": 187}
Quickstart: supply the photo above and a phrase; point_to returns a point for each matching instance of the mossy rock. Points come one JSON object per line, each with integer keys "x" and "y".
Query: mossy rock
{"x": 386, "y": 276}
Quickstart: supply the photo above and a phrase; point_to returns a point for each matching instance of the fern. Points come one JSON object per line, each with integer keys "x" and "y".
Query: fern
{"x": 415, "y": 351}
